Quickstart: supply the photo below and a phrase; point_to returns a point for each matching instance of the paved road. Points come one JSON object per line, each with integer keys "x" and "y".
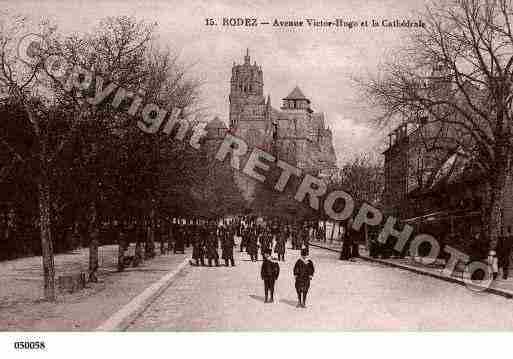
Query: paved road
{"x": 343, "y": 296}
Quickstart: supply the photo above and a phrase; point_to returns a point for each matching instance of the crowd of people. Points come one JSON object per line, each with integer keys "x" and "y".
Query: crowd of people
{"x": 256, "y": 239}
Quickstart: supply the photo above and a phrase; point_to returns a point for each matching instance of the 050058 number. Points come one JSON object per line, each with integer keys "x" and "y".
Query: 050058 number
{"x": 32, "y": 345}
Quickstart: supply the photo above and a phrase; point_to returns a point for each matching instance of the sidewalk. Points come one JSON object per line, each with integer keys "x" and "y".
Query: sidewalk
{"x": 21, "y": 290}
{"x": 499, "y": 287}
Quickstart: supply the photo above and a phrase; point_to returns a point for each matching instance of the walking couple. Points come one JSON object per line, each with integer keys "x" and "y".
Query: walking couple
{"x": 303, "y": 273}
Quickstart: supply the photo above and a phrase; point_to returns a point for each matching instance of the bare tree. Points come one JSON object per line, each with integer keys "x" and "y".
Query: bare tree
{"x": 118, "y": 54}
{"x": 362, "y": 178}
{"x": 454, "y": 84}
{"x": 20, "y": 86}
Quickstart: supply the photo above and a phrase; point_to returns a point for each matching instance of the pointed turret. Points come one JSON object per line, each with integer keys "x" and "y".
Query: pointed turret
{"x": 296, "y": 94}
{"x": 296, "y": 100}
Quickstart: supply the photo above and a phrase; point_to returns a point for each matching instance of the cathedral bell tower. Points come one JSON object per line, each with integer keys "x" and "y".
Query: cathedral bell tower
{"x": 246, "y": 91}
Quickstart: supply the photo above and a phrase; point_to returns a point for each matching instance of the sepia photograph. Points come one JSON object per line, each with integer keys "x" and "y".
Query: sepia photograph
{"x": 257, "y": 166}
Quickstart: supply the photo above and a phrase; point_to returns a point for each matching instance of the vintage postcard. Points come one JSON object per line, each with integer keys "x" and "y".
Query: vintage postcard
{"x": 287, "y": 166}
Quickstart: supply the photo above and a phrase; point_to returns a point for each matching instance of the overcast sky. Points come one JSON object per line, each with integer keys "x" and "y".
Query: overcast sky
{"x": 320, "y": 61}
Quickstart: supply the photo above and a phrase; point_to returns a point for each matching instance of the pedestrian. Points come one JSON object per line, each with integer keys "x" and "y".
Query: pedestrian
{"x": 122, "y": 247}
{"x": 269, "y": 273}
{"x": 345, "y": 253}
{"x": 253, "y": 247}
{"x": 347, "y": 244}
{"x": 171, "y": 236}
{"x": 227, "y": 247}
{"x": 244, "y": 234}
{"x": 265, "y": 245}
{"x": 198, "y": 249}
{"x": 493, "y": 263}
{"x": 295, "y": 239}
{"x": 306, "y": 239}
{"x": 504, "y": 252}
{"x": 303, "y": 272}
{"x": 159, "y": 236}
{"x": 179, "y": 240}
{"x": 212, "y": 246}
{"x": 279, "y": 248}
{"x": 355, "y": 243}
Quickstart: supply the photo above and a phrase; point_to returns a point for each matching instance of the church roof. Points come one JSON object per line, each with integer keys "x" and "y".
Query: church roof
{"x": 296, "y": 94}
{"x": 215, "y": 123}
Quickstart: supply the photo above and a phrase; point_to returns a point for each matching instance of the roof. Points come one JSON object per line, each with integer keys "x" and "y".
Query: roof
{"x": 296, "y": 94}
{"x": 215, "y": 123}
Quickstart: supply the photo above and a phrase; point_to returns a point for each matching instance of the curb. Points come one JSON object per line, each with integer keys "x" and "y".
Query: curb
{"x": 120, "y": 320}
{"x": 501, "y": 292}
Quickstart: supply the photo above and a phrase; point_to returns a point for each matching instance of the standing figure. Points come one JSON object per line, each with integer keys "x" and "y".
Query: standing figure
{"x": 243, "y": 235}
{"x": 493, "y": 263}
{"x": 159, "y": 236}
{"x": 198, "y": 249}
{"x": 269, "y": 272}
{"x": 265, "y": 242}
{"x": 279, "y": 248}
{"x": 504, "y": 252}
{"x": 187, "y": 235}
{"x": 122, "y": 247}
{"x": 296, "y": 237}
{"x": 305, "y": 242}
{"x": 171, "y": 236}
{"x": 212, "y": 246}
{"x": 347, "y": 244}
{"x": 179, "y": 240}
{"x": 253, "y": 246}
{"x": 303, "y": 271}
{"x": 227, "y": 246}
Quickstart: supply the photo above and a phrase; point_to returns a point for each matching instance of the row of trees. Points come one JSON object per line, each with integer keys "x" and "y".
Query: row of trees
{"x": 69, "y": 163}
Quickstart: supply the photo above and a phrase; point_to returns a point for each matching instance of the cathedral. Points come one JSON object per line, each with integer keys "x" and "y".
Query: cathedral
{"x": 294, "y": 133}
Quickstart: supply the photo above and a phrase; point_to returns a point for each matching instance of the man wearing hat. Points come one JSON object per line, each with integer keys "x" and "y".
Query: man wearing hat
{"x": 303, "y": 272}
{"x": 269, "y": 272}
{"x": 211, "y": 248}
{"x": 227, "y": 244}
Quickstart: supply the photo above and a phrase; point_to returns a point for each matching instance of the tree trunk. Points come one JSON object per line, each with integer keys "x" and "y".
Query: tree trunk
{"x": 46, "y": 233}
{"x": 150, "y": 240}
{"x": 499, "y": 179}
{"x": 93, "y": 244}
{"x": 45, "y": 225}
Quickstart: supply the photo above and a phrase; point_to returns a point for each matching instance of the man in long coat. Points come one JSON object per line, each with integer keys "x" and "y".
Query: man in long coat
{"x": 179, "y": 240}
{"x": 212, "y": 246}
{"x": 227, "y": 247}
{"x": 243, "y": 234}
{"x": 253, "y": 246}
{"x": 198, "y": 249}
{"x": 504, "y": 252}
{"x": 279, "y": 248}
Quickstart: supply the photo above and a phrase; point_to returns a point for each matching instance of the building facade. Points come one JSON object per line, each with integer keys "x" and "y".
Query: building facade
{"x": 294, "y": 133}
{"x": 439, "y": 191}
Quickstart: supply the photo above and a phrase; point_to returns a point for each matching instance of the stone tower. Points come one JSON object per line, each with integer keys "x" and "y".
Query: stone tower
{"x": 294, "y": 133}
{"x": 249, "y": 116}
